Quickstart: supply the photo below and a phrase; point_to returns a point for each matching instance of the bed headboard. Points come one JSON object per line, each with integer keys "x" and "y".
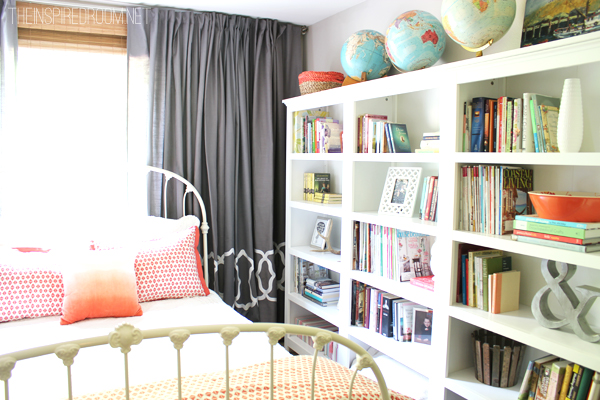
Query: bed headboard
{"x": 189, "y": 188}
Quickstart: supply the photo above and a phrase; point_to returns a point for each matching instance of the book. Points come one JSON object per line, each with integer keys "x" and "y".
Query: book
{"x": 321, "y": 183}
{"x": 490, "y": 266}
{"x": 387, "y": 321}
{"x": 478, "y": 124}
{"x": 580, "y": 225}
{"x": 535, "y": 373}
{"x": 300, "y": 134}
{"x": 473, "y": 276}
{"x": 575, "y": 381}
{"x": 399, "y": 134}
{"x": 564, "y": 388}
{"x": 369, "y": 138}
{"x": 486, "y": 145}
{"x": 539, "y": 100}
{"x": 584, "y": 384}
{"x": 558, "y": 230}
{"x": 463, "y": 250}
{"x": 425, "y": 282}
{"x": 527, "y": 142}
{"x": 315, "y": 300}
{"x": 541, "y": 391}
{"x": 594, "y": 393}
{"x": 557, "y": 372}
{"x": 556, "y": 238}
{"x": 524, "y": 389}
{"x": 469, "y": 118}
{"x": 322, "y": 283}
{"x": 505, "y": 291}
{"x": 549, "y": 115}
{"x": 516, "y": 184}
{"x": 493, "y": 130}
{"x": 517, "y": 125}
{"x": 581, "y": 248}
{"x": 325, "y": 297}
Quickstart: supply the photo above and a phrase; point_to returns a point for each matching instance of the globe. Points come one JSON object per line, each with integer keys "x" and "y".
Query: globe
{"x": 364, "y": 51}
{"x": 415, "y": 40}
{"x": 473, "y": 23}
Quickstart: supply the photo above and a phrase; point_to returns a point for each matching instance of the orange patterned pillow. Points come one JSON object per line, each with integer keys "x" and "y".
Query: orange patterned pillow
{"x": 100, "y": 284}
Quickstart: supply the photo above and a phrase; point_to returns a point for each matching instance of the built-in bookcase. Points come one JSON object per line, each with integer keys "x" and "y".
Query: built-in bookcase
{"x": 432, "y": 100}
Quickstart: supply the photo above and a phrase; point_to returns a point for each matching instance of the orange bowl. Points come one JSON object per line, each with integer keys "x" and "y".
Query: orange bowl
{"x": 567, "y": 206}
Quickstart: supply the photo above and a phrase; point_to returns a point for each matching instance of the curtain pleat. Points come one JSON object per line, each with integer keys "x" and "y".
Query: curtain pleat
{"x": 215, "y": 84}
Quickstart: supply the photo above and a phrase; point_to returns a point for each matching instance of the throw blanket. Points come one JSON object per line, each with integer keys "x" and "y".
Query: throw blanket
{"x": 292, "y": 381}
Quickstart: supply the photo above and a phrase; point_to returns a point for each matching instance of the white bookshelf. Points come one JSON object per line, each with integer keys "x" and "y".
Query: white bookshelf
{"x": 426, "y": 101}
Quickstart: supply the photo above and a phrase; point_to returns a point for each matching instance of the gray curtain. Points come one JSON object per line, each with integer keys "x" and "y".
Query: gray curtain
{"x": 214, "y": 85}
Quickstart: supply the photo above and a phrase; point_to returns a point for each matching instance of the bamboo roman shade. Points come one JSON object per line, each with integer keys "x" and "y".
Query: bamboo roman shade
{"x": 72, "y": 28}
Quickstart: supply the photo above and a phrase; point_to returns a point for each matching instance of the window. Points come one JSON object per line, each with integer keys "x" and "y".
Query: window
{"x": 68, "y": 155}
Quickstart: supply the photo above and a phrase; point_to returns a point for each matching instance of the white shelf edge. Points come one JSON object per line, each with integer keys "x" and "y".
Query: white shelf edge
{"x": 404, "y": 289}
{"x": 505, "y": 243}
{"x": 521, "y": 326}
{"x": 405, "y": 223}
{"x": 329, "y": 314}
{"x": 316, "y": 156}
{"x": 415, "y": 356}
{"x": 464, "y": 384}
{"x": 328, "y": 260}
{"x": 334, "y": 210}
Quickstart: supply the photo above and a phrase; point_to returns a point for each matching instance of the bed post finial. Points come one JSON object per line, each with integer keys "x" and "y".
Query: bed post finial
{"x": 124, "y": 336}
{"x": 275, "y": 334}
{"x": 228, "y": 334}
{"x": 67, "y": 353}
{"x": 6, "y": 366}
{"x": 320, "y": 340}
{"x": 178, "y": 337}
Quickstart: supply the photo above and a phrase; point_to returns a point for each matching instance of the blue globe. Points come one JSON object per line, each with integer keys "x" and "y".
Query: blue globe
{"x": 415, "y": 40}
{"x": 364, "y": 51}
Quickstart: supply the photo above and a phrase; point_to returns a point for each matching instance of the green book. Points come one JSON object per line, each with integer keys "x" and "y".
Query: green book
{"x": 490, "y": 265}
{"x": 556, "y": 230}
{"x": 584, "y": 384}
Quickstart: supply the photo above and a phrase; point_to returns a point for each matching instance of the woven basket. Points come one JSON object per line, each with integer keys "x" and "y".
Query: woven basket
{"x": 315, "y": 81}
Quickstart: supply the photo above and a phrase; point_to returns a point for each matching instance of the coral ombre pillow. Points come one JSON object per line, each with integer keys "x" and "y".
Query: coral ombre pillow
{"x": 101, "y": 284}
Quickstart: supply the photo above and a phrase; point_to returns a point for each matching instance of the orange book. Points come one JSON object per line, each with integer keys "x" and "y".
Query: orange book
{"x": 505, "y": 288}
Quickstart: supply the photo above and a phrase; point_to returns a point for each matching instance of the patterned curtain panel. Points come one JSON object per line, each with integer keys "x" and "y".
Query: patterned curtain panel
{"x": 206, "y": 92}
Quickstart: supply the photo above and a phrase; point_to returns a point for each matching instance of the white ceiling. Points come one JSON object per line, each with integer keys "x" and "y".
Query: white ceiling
{"x": 301, "y": 12}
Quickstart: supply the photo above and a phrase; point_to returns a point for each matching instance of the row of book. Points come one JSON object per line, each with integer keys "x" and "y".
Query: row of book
{"x": 551, "y": 378}
{"x": 331, "y": 349}
{"x": 317, "y": 188}
{"x": 377, "y": 135}
{"x": 429, "y": 197}
{"x": 316, "y": 132}
{"x": 583, "y": 237}
{"x": 430, "y": 143}
{"x": 486, "y": 280}
{"x": 491, "y": 197}
{"x": 507, "y": 124}
{"x": 391, "y": 253}
{"x": 390, "y": 315}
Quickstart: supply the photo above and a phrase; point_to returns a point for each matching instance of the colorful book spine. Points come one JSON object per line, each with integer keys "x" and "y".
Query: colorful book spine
{"x": 579, "y": 225}
{"x": 581, "y": 248}
{"x": 555, "y": 238}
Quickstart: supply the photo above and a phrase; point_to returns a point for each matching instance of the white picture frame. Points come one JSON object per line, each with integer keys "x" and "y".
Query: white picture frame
{"x": 400, "y": 191}
{"x": 323, "y": 227}
{"x": 422, "y": 325}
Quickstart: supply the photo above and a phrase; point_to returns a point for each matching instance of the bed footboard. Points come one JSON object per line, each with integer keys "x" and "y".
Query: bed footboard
{"x": 125, "y": 336}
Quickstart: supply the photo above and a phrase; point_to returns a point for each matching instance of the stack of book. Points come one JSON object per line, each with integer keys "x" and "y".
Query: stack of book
{"x": 491, "y": 197}
{"x": 549, "y": 377}
{"x": 304, "y": 270}
{"x": 377, "y": 135}
{"x": 328, "y": 198}
{"x": 583, "y": 237}
{"x": 486, "y": 279}
{"x": 323, "y": 291}
{"x": 425, "y": 282}
{"x": 315, "y": 183}
{"x": 430, "y": 143}
{"x": 527, "y": 124}
{"x": 429, "y": 198}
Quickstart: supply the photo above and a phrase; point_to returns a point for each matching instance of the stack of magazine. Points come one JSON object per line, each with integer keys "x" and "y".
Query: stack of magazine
{"x": 323, "y": 291}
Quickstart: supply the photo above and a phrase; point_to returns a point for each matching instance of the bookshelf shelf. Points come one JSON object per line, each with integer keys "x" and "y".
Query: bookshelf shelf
{"x": 414, "y": 355}
{"x": 505, "y": 243}
{"x": 463, "y": 383}
{"x": 521, "y": 326}
{"x": 431, "y": 100}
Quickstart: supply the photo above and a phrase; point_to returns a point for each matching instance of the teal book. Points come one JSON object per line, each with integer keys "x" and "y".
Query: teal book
{"x": 400, "y": 141}
{"x": 576, "y": 233}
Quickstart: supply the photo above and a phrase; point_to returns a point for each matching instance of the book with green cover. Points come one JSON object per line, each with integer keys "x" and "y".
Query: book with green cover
{"x": 399, "y": 135}
{"x": 580, "y": 225}
{"x": 556, "y": 230}
{"x": 584, "y": 384}
{"x": 490, "y": 265}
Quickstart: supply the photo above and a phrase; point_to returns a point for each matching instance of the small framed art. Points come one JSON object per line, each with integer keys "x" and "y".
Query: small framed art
{"x": 400, "y": 191}
{"x": 322, "y": 230}
{"x": 422, "y": 325}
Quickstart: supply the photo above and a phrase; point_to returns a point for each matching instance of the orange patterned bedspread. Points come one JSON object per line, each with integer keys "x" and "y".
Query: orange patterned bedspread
{"x": 292, "y": 381}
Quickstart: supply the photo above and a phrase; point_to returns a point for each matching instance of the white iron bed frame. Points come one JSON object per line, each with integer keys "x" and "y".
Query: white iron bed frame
{"x": 126, "y": 335}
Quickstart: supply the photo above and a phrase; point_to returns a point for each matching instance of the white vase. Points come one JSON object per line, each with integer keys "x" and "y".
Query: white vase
{"x": 570, "y": 117}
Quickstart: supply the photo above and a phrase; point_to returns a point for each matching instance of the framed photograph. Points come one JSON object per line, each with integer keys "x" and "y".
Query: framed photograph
{"x": 400, "y": 191}
{"x": 322, "y": 228}
{"x": 422, "y": 325}
{"x": 545, "y": 21}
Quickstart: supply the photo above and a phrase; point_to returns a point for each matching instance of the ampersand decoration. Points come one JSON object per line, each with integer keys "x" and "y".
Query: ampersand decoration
{"x": 575, "y": 303}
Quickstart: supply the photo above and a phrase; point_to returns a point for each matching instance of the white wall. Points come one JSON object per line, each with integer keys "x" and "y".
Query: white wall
{"x": 324, "y": 39}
